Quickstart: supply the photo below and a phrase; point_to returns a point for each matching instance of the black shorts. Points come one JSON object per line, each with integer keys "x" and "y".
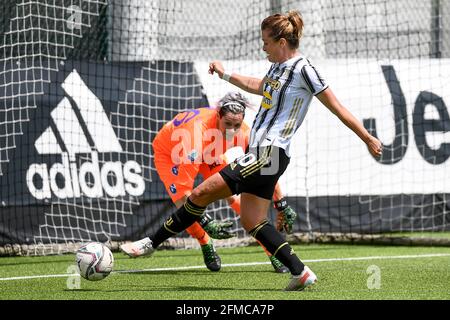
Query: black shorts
{"x": 257, "y": 172}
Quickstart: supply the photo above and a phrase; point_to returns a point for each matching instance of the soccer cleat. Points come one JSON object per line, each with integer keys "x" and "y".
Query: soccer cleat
{"x": 210, "y": 256}
{"x": 138, "y": 248}
{"x": 278, "y": 265}
{"x": 305, "y": 279}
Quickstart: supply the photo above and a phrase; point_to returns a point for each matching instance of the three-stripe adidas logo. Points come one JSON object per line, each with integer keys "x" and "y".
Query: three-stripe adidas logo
{"x": 79, "y": 125}
{"x": 72, "y": 135}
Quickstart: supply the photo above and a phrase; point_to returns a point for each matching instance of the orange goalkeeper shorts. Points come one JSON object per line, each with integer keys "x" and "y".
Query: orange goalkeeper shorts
{"x": 178, "y": 179}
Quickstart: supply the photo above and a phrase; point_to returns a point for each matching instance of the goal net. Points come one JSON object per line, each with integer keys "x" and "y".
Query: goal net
{"x": 85, "y": 85}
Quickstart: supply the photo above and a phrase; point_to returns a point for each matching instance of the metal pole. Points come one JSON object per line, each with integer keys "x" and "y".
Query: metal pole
{"x": 436, "y": 29}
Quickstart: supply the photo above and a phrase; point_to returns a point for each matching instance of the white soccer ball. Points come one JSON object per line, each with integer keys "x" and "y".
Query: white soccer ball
{"x": 95, "y": 261}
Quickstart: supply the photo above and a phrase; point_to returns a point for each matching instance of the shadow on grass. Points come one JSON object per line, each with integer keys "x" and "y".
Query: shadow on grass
{"x": 83, "y": 290}
{"x": 199, "y": 272}
{"x": 253, "y": 249}
{"x": 171, "y": 289}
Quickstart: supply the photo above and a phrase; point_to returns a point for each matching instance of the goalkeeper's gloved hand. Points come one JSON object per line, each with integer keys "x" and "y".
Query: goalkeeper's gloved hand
{"x": 286, "y": 216}
{"x": 216, "y": 229}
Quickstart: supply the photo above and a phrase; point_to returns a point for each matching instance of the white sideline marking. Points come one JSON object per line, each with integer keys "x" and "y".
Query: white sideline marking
{"x": 435, "y": 255}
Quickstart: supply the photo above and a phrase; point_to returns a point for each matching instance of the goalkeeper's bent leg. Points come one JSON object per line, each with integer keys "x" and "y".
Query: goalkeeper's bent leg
{"x": 274, "y": 242}
{"x": 177, "y": 222}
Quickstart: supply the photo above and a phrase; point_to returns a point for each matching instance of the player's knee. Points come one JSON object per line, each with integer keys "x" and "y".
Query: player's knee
{"x": 212, "y": 189}
{"x": 248, "y": 224}
{"x": 198, "y": 196}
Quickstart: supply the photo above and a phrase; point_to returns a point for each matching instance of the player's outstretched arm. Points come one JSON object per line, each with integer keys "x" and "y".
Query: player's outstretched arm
{"x": 249, "y": 84}
{"x": 329, "y": 100}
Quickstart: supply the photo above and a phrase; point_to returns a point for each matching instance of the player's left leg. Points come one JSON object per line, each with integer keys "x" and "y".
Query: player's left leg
{"x": 212, "y": 189}
{"x": 235, "y": 203}
{"x": 259, "y": 178}
{"x": 253, "y": 219}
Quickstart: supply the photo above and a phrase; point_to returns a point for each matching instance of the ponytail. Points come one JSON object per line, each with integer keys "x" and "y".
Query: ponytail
{"x": 289, "y": 27}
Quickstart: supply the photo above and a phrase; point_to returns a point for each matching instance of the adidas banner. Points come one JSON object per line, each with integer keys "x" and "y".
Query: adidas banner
{"x": 76, "y": 160}
{"x": 81, "y": 164}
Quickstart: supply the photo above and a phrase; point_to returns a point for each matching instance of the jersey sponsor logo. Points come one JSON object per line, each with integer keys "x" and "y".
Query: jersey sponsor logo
{"x": 266, "y": 102}
{"x": 274, "y": 84}
{"x": 91, "y": 133}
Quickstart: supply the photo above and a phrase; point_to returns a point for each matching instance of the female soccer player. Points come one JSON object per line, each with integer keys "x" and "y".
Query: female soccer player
{"x": 183, "y": 148}
{"x": 287, "y": 90}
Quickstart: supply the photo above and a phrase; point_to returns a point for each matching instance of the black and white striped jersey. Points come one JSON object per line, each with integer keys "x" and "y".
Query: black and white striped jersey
{"x": 287, "y": 94}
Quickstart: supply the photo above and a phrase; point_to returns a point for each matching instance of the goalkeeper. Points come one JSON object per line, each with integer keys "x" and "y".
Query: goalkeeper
{"x": 179, "y": 162}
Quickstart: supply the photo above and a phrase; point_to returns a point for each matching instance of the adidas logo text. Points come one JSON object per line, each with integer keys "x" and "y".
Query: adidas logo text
{"x": 89, "y": 180}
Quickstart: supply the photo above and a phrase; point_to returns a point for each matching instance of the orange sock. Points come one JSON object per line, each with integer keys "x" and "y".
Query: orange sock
{"x": 236, "y": 205}
{"x": 197, "y": 232}
{"x": 265, "y": 250}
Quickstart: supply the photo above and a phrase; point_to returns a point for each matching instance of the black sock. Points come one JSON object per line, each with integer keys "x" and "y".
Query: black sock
{"x": 177, "y": 222}
{"x": 275, "y": 244}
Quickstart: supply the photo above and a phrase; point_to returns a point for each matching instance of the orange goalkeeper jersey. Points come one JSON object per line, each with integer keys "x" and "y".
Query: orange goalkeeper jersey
{"x": 190, "y": 144}
{"x": 193, "y": 137}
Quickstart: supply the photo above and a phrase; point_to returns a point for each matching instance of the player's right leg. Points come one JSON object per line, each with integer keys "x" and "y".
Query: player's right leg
{"x": 210, "y": 190}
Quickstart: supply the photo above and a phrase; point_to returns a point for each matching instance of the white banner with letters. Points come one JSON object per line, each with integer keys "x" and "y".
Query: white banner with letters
{"x": 408, "y": 102}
